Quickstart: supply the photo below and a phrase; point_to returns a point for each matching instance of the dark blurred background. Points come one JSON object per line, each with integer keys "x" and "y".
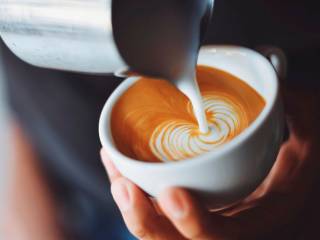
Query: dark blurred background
{"x": 5, "y": 150}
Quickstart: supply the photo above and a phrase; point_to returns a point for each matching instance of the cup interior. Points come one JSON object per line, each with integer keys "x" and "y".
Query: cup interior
{"x": 246, "y": 64}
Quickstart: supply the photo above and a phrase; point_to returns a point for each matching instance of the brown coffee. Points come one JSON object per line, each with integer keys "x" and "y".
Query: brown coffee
{"x": 153, "y": 121}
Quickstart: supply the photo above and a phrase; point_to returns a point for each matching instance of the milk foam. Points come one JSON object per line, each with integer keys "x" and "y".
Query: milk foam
{"x": 178, "y": 140}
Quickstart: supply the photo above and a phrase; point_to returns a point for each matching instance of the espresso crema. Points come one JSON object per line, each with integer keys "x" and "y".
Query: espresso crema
{"x": 154, "y": 121}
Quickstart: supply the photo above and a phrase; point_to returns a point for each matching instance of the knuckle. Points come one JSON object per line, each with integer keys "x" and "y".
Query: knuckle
{"x": 201, "y": 236}
{"x": 203, "y": 233}
{"x": 141, "y": 231}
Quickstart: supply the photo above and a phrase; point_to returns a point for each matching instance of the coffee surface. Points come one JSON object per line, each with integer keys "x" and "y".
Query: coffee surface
{"x": 153, "y": 121}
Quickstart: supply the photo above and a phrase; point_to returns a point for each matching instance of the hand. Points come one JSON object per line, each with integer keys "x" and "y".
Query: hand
{"x": 267, "y": 212}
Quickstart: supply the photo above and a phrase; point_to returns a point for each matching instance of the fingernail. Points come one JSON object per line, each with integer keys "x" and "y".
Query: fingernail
{"x": 120, "y": 192}
{"x": 111, "y": 168}
{"x": 175, "y": 205}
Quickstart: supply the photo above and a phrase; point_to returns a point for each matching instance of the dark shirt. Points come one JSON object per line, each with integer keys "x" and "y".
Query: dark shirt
{"x": 59, "y": 111}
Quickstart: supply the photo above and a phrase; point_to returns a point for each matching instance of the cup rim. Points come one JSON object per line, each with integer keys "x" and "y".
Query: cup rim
{"x": 116, "y": 156}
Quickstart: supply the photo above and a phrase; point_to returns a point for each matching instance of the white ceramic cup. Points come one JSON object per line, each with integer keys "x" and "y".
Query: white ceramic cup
{"x": 222, "y": 177}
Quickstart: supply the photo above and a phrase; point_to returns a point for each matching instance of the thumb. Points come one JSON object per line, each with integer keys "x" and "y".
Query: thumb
{"x": 192, "y": 219}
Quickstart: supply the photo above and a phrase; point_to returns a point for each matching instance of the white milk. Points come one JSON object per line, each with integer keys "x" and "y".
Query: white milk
{"x": 189, "y": 86}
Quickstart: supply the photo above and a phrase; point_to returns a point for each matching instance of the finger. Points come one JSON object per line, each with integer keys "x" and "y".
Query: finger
{"x": 139, "y": 214}
{"x": 112, "y": 171}
{"x": 192, "y": 220}
{"x": 156, "y": 206}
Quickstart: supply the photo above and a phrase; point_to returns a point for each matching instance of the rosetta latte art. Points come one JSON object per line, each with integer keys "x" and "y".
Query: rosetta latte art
{"x": 154, "y": 122}
{"x": 175, "y": 140}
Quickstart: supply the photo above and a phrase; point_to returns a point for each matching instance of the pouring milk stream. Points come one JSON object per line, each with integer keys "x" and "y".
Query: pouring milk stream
{"x": 171, "y": 32}
{"x": 159, "y": 38}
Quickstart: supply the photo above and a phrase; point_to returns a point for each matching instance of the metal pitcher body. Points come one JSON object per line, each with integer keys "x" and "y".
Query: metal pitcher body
{"x": 61, "y": 34}
{"x": 80, "y": 36}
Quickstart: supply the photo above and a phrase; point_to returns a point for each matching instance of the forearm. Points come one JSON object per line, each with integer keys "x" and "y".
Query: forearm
{"x": 29, "y": 210}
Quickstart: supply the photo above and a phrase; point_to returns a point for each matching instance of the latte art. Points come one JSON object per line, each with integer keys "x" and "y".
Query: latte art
{"x": 153, "y": 121}
{"x": 177, "y": 140}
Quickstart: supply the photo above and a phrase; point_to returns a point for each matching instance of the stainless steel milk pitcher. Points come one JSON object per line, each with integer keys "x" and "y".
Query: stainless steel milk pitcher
{"x": 73, "y": 35}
